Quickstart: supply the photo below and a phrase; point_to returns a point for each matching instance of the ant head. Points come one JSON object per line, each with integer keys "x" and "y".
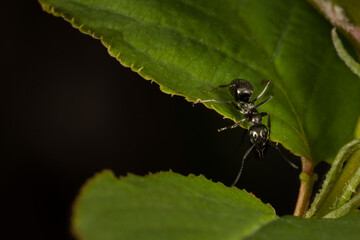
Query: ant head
{"x": 259, "y": 137}
{"x": 241, "y": 90}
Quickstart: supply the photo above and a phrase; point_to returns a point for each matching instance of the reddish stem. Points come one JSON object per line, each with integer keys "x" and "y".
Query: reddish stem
{"x": 307, "y": 179}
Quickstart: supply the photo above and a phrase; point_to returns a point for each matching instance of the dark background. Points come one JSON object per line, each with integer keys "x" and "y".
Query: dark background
{"x": 69, "y": 110}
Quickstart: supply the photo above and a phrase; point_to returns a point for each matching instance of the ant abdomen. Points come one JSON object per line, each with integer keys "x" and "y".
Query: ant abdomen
{"x": 241, "y": 90}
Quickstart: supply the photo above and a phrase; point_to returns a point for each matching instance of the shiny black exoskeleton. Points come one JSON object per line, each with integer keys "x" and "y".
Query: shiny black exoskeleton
{"x": 242, "y": 90}
{"x": 259, "y": 134}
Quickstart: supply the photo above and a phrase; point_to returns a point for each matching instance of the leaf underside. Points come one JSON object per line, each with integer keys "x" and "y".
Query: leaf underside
{"x": 185, "y": 44}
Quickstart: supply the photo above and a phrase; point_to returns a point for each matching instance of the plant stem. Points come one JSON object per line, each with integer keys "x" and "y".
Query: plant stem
{"x": 307, "y": 179}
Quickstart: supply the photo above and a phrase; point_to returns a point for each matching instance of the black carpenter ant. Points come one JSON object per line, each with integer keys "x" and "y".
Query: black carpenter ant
{"x": 259, "y": 134}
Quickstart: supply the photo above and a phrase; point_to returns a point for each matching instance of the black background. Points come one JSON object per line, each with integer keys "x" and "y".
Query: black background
{"x": 69, "y": 110}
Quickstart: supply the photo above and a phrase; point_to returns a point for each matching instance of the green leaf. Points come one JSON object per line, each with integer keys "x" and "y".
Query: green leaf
{"x": 165, "y": 206}
{"x": 185, "y": 44}
{"x": 295, "y": 228}
{"x": 170, "y": 206}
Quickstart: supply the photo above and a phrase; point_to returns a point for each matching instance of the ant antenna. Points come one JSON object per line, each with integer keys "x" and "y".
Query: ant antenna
{"x": 276, "y": 145}
{"x": 217, "y": 88}
{"x": 242, "y": 165}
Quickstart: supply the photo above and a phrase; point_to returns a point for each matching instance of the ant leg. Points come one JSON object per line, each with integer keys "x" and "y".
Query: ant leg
{"x": 283, "y": 156}
{"x": 242, "y": 165}
{"x": 217, "y": 88}
{"x": 211, "y": 100}
{"x": 232, "y": 126}
{"x": 263, "y": 91}
{"x": 263, "y": 114}
{"x": 217, "y": 101}
{"x": 263, "y": 102}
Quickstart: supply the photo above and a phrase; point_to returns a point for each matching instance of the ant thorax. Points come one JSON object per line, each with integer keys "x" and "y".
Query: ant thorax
{"x": 246, "y": 107}
{"x": 253, "y": 117}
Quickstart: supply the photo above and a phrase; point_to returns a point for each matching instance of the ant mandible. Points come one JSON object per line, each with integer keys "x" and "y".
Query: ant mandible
{"x": 259, "y": 134}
